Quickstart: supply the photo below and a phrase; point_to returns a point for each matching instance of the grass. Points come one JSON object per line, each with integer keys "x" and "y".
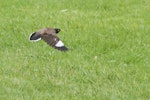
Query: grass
{"x": 110, "y": 56}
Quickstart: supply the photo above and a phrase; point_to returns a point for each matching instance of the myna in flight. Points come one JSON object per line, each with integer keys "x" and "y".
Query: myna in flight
{"x": 49, "y": 35}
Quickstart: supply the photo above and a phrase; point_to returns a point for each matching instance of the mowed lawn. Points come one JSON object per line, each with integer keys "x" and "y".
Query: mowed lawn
{"x": 109, "y": 56}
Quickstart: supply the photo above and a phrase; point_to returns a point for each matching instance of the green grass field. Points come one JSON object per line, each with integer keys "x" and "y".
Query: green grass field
{"x": 109, "y": 57}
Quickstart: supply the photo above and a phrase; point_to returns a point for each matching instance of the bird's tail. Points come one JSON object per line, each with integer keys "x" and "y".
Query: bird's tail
{"x": 34, "y": 37}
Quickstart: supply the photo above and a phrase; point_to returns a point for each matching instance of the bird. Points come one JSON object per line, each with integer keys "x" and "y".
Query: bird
{"x": 49, "y": 35}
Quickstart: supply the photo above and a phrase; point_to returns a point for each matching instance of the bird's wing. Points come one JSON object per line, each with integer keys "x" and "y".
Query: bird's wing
{"x": 54, "y": 41}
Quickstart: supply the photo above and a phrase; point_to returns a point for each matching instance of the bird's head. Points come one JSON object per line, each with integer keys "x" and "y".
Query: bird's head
{"x": 57, "y": 30}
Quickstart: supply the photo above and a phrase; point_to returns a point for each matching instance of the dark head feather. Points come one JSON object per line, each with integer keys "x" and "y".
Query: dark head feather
{"x": 57, "y": 30}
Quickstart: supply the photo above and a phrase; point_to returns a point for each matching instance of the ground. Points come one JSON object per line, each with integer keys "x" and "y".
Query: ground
{"x": 109, "y": 56}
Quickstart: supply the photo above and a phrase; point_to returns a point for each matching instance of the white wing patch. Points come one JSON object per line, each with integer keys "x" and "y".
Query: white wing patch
{"x": 59, "y": 44}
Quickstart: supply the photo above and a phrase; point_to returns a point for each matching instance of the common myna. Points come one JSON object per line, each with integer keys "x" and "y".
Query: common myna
{"x": 49, "y": 35}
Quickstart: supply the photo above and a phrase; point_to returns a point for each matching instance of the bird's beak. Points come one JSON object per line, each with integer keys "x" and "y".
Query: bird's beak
{"x": 62, "y": 30}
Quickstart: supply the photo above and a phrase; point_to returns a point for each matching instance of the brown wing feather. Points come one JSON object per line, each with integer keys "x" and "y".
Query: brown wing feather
{"x": 52, "y": 40}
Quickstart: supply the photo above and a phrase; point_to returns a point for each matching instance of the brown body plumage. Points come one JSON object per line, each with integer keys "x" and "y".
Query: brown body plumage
{"x": 49, "y": 35}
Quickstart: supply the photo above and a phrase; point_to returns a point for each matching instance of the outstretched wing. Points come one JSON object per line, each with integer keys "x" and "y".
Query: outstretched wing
{"x": 54, "y": 41}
